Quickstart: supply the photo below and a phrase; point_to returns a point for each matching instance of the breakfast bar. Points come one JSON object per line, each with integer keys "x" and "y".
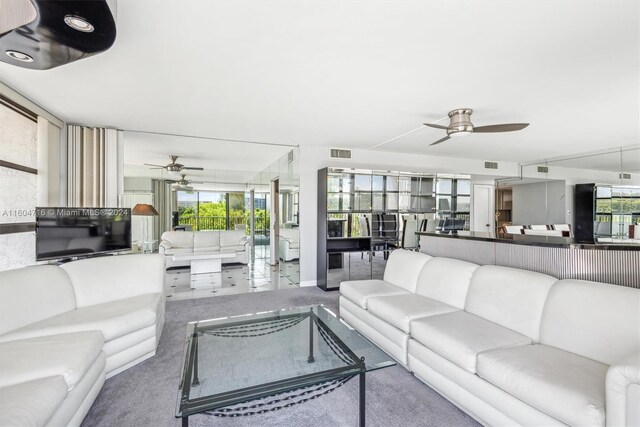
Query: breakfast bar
{"x": 563, "y": 257}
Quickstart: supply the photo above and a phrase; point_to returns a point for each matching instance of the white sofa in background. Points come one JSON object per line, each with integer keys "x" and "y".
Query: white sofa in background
{"x": 289, "y": 246}
{"x": 223, "y": 241}
{"x": 508, "y": 346}
{"x": 64, "y": 329}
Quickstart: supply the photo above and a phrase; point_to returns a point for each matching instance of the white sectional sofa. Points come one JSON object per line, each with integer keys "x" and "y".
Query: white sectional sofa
{"x": 508, "y": 346}
{"x": 223, "y": 241}
{"x": 64, "y": 329}
{"x": 289, "y": 245}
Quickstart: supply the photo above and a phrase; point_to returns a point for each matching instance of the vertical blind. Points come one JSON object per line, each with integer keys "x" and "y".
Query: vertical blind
{"x": 94, "y": 167}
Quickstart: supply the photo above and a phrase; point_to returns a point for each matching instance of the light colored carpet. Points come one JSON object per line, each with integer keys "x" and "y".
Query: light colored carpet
{"x": 146, "y": 394}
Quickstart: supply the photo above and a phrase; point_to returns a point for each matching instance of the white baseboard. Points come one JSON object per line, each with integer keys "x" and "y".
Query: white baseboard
{"x": 309, "y": 283}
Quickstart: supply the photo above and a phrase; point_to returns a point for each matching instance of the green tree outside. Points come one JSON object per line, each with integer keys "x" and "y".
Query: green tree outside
{"x": 213, "y": 215}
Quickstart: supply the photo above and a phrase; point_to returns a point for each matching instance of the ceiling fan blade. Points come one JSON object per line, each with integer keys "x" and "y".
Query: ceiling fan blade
{"x": 157, "y": 166}
{"x": 507, "y": 127}
{"x": 431, "y": 125}
{"x": 193, "y": 169}
{"x": 441, "y": 140}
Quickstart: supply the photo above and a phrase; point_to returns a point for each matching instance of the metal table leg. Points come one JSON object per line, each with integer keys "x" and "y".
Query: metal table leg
{"x": 363, "y": 409}
{"x": 196, "y": 381}
{"x": 362, "y": 400}
{"x": 311, "y": 323}
{"x": 185, "y": 421}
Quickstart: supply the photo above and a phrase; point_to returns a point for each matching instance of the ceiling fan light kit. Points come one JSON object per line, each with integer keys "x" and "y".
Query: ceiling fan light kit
{"x": 460, "y": 122}
{"x": 460, "y": 125}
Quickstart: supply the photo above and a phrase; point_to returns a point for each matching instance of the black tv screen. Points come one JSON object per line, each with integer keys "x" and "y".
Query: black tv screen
{"x": 80, "y": 232}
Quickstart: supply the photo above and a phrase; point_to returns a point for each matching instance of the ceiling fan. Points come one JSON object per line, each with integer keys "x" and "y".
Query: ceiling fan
{"x": 181, "y": 184}
{"x": 460, "y": 125}
{"x": 174, "y": 166}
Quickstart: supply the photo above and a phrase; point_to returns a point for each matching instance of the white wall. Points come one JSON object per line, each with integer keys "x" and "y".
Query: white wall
{"x": 579, "y": 176}
{"x": 138, "y": 184}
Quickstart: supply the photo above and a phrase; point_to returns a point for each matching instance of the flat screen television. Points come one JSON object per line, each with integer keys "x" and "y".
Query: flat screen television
{"x": 81, "y": 232}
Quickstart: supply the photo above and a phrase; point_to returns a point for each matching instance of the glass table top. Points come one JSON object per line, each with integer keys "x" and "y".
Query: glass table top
{"x": 240, "y": 358}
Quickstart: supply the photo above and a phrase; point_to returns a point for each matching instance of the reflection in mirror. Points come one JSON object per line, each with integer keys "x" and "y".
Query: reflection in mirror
{"x": 547, "y": 194}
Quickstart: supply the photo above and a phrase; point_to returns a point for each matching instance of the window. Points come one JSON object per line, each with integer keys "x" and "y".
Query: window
{"x": 205, "y": 210}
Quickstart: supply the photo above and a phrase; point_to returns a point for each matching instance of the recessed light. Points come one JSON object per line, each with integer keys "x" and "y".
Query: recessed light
{"x": 78, "y": 23}
{"x": 20, "y": 56}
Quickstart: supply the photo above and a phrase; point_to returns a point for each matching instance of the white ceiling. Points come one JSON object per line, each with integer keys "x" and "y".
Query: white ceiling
{"x": 224, "y": 161}
{"x": 357, "y": 73}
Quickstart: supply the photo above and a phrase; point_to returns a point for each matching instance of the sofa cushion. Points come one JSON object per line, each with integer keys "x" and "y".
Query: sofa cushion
{"x": 179, "y": 239}
{"x": 32, "y": 294}
{"x": 206, "y": 249}
{"x": 114, "y": 319}
{"x": 176, "y": 251}
{"x": 510, "y": 297}
{"x": 232, "y": 248}
{"x": 400, "y": 310}
{"x": 32, "y": 403}
{"x": 206, "y": 239}
{"x": 358, "y": 291}
{"x": 293, "y": 245}
{"x": 596, "y": 320}
{"x": 446, "y": 280}
{"x": 232, "y": 238}
{"x": 69, "y": 355}
{"x": 564, "y": 385}
{"x": 459, "y": 337}
{"x": 403, "y": 268}
{"x": 113, "y": 278}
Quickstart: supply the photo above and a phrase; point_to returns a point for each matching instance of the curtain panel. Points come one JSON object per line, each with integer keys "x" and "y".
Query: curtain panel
{"x": 94, "y": 167}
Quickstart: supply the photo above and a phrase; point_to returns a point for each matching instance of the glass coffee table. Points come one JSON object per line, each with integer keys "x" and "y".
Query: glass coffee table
{"x": 257, "y": 363}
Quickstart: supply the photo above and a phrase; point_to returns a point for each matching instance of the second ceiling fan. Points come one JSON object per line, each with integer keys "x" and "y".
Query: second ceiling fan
{"x": 460, "y": 125}
{"x": 174, "y": 166}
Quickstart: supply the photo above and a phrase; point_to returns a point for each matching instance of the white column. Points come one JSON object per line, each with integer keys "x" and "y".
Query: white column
{"x": 275, "y": 222}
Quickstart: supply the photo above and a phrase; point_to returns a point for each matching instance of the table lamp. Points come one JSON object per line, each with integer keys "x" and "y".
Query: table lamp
{"x": 146, "y": 211}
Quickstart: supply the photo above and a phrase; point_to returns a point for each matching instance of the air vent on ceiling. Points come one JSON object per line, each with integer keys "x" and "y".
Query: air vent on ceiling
{"x": 624, "y": 175}
{"x": 491, "y": 165}
{"x": 290, "y": 156}
{"x": 340, "y": 154}
{"x": 543, "y": 169}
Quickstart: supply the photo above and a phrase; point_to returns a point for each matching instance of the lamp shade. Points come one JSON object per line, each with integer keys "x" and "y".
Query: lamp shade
{"x": 144, "y": 209}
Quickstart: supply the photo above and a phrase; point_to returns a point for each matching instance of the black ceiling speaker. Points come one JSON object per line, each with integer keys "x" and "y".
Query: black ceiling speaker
{"x": 56, "y": 32}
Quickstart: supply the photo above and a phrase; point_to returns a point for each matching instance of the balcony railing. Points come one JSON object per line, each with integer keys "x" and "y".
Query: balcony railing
{"x": 201, "y": 223}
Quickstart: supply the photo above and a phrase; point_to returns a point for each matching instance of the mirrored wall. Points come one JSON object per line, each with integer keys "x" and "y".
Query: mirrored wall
{"x": 276, "y": 236}
{"x": 544, "y": 195}
{"x": 368, "y": 213}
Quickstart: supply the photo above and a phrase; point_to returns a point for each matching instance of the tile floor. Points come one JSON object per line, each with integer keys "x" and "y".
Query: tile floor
{"x": 257, "y": 276}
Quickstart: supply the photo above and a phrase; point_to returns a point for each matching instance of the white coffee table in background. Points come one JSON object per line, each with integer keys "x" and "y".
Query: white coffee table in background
{"x": 204, "y": 262}
{"x": 204, "y": 265}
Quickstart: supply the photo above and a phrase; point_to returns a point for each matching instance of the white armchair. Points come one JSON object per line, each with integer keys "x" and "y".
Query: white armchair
{"x": 289, "y": 244}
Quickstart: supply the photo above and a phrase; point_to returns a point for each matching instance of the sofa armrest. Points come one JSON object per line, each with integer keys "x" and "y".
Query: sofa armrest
{"x": 623, "y": 392}
{"x": 163, "y": 246}
{"x": 112, "y": 278}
